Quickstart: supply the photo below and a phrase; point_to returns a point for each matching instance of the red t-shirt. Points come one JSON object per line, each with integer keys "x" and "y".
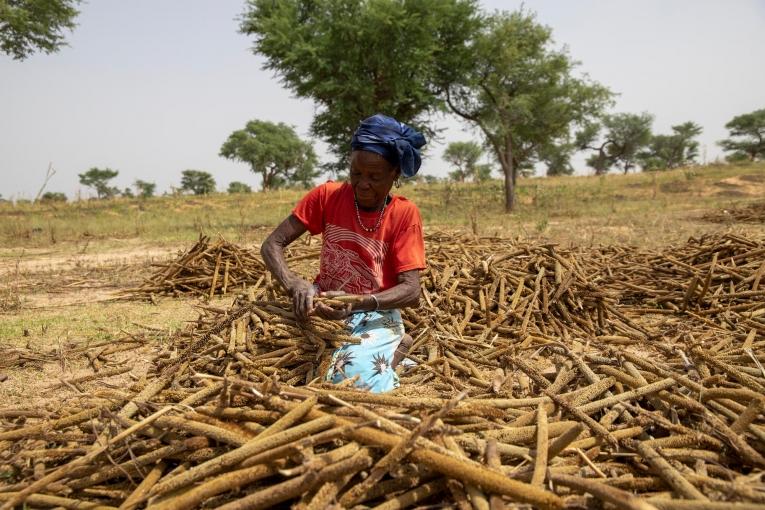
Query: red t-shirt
{"x": 353, "y": 260}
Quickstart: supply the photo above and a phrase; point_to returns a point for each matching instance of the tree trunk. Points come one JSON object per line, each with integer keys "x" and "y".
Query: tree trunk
{"x": 509, "y": 170}
{"x": 266, "y": 181}
{"x": 601, "y": 167}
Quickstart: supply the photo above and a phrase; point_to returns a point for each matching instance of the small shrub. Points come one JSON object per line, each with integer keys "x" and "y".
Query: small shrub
{"x": 542, "y": 225}
{"x": 145, "y": 189}
{"x": 239, "y": 187}
{"x": 10, "y": 300}
{"x": 53, "y": 196}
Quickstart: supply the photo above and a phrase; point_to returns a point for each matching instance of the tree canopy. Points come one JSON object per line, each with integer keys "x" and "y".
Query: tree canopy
{"x": 625, "y": 135}
{"x": 98, "y": 179}
{"x": 275, "y": 152}
{"x": 747, "y": 136}
{"x": 27, "y": 26}
{"x": 197, "y": 182}
{"x": 665, "y": 152}
{"x": 522, "y": 93}
{"x": 355, "y": 59}
{"x": 464, "y": 156}
{"x": 238, "y": 187}
{"x": 53, "y": 196}
{"x": 556, "y": 158}
{"x": 145, "y": 189}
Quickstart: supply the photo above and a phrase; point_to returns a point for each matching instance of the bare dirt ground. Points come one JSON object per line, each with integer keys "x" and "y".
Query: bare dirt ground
{"x": 58, "y": 299}
{"x": 70, "y": 275}
{"x": 72, "y": 256}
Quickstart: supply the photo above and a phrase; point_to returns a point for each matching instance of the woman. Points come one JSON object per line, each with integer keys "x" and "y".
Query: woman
{"x": 372, "y": 247}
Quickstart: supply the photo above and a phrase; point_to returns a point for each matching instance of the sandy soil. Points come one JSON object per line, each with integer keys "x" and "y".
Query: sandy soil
{"x": 67, "y": 258}
{"x": 739, "y": 186}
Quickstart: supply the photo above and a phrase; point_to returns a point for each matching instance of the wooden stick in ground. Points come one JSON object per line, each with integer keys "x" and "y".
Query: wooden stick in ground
{"x": 540, "y": 458}
{"x": 215, "y": 275}
{"x": 225, "y": 277}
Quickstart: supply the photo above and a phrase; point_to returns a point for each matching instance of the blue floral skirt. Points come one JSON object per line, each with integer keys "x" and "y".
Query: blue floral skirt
{"x": 380, "y": 333}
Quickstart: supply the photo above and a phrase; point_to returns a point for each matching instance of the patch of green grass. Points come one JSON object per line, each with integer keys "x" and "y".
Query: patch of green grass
{"x": 91, "y": 322}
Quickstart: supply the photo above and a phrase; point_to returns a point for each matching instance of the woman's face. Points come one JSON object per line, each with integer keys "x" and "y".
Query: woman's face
{"x": 372, "y": 177}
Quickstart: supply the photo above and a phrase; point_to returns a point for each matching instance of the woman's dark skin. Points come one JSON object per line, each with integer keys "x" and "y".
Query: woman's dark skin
{"x": 372, "y": 178}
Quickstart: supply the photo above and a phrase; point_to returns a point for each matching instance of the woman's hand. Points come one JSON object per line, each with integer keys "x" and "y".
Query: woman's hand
{"x": 272, "y": 251}
{"x": 334, "y": 314}
{"x": 302, "y": 293}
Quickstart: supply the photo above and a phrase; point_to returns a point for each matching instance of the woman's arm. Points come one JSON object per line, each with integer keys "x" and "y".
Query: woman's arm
{"x": 405, "y": 293}
{"x": 272, "y": 251}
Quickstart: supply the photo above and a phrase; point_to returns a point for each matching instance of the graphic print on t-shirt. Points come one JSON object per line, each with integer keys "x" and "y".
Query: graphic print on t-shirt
{"x": 350, "y": 261}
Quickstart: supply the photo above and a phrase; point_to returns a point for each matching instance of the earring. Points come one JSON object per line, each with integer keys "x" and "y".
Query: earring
{"x": 397, "y": 182}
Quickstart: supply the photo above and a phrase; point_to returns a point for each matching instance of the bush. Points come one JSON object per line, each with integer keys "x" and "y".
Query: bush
{"x": 145, "y": 189}
{"x": 197, "y": 182}
{"x": 239, "y": 187}
{"x": 53, "y": 196}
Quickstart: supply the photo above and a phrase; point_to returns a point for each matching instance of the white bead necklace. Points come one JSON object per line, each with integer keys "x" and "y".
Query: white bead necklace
{"x": 379, "y": 219}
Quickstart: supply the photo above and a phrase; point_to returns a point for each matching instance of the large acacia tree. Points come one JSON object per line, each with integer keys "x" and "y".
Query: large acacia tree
{"x": 98, "y": 179}
{"x": 464, "y": 156}
{"x": 27, "y": 26}
{"x": 357, "y": 58}
{"x": 678, "y": 149}
{"x": 197, "y": 182}
{"x": 522, "y": 93}
{"x": 624, "y": 136}
{"x": 747, "y": 136}
{"x": 275, "y": 152}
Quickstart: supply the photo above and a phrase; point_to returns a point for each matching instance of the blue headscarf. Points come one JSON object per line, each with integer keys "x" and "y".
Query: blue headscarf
{"x": 391, "y": 139}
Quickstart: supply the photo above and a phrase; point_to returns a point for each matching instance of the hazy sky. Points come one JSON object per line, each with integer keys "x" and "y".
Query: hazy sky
{"x": 151, "y": 88}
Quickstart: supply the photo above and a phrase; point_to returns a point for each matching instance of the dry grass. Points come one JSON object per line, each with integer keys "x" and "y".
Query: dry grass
{"x": 594, "y": 209}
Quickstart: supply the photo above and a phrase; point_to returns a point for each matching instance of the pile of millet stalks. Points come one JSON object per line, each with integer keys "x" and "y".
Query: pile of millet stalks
{"x": 212, "y": 268}
{"x": 539, "y": 376}
{"x": 752, "y": 213}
